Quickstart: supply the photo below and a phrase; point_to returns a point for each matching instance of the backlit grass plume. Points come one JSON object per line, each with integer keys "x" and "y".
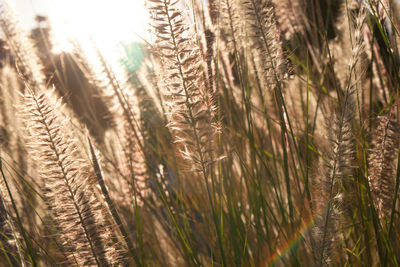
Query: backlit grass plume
{"x": 68, "y": 185}
{"x": 329, "y": 199}
{"x": 190, "y": 104}
{"x": 340, "y": 165}
{"x": 381, "y": 168}
{"x": 127, "y": 121}
{"x": 231, "y": 25}
{"x": 262, "y": 31}
{"x": 114, "y": 90}
{"x": 21, "y": 46}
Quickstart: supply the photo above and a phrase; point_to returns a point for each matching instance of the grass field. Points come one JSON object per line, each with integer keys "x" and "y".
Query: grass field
{"x": 237, "y": 133}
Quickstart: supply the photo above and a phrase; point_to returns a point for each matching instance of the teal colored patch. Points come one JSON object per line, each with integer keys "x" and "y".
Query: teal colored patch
{"x": 134, "y": 56}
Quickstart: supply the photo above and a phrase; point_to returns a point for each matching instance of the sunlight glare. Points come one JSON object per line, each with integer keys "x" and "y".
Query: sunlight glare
{"x": 108, "y": 23}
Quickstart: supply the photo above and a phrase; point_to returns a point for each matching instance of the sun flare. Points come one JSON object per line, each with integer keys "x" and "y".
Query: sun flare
{"x": 107, "y": 23}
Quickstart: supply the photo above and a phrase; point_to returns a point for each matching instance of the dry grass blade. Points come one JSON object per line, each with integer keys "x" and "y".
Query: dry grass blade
{"x": 110, "y": 204}
{"x": 10, "y": 246}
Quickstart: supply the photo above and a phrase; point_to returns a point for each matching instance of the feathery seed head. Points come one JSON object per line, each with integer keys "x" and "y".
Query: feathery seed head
{"x": 191, "y": 109}
{"x": 382, "y": 164}
{"x": 22, "y": 49}
{"x": 68, "y": 184}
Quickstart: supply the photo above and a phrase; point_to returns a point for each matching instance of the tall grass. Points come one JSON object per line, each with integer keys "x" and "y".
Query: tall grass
{"x": 246, "y": 133}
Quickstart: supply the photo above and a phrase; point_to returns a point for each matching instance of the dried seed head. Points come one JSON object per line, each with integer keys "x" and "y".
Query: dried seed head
{"x": 68, "y": 184}
{"x": 382, "y": 164}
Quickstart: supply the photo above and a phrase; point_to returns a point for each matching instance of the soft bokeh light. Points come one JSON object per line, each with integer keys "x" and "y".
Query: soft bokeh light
{"x": 107, "y": 23}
